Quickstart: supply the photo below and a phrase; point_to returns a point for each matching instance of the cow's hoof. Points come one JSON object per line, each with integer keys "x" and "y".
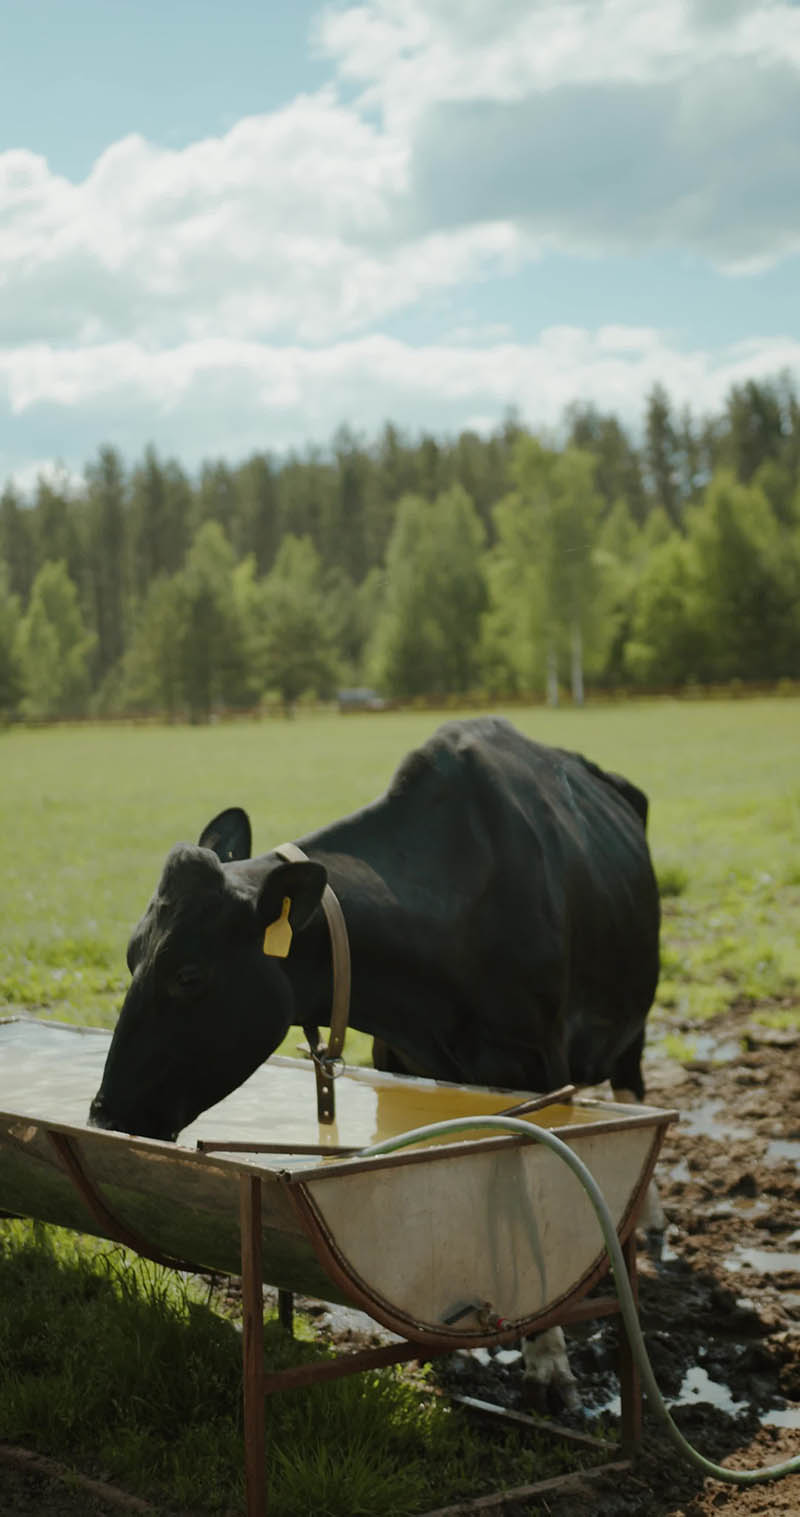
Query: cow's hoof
{"x": 652, "y": 1218}
{"x": 548, "y": 1381}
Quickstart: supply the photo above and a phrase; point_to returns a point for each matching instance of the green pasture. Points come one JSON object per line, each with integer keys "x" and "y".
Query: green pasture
{"x": 88, "y": 813}
{"x": 126, "y": 1370}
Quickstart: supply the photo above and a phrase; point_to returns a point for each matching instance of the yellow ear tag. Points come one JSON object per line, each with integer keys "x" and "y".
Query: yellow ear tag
{"x": 278, "y": 936}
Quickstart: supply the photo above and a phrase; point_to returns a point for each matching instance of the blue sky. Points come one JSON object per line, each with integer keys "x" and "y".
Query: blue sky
{"x": 234, "y": 228}
{"x": 79, "y": 74}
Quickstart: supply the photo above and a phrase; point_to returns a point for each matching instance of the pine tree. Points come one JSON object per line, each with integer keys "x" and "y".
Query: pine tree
{"x": 106, "y": 556}
{"x": 661, "y": 454}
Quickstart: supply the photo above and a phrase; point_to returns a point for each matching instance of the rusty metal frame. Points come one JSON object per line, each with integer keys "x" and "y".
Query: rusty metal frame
{"x": 570, "y": 1307}
{"x": 257, "y": 1384}
{"x": 430, "y": 1153}
{"x": 241, "y": 1146}
{"x": 111, "y": 1226}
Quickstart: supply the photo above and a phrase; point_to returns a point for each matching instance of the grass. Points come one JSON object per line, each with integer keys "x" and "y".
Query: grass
{"x": 124, "y": 1370}
{"x": 89, "y": 813}
{"x": 678, "y": 1048}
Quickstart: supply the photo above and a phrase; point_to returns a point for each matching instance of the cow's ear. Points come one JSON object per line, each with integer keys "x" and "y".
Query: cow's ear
{"x": 229, "y": 835}
{"x": 289, "y": 895}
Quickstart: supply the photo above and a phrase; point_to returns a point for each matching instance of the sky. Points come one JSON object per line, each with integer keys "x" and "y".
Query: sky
{"x": 229, "y": 228}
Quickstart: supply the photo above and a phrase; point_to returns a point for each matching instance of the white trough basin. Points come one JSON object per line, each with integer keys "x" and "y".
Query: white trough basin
{"x": 460, "y": 1242}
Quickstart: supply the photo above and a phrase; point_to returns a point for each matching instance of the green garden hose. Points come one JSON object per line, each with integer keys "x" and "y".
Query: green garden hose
{"x": 624, "y": 1292}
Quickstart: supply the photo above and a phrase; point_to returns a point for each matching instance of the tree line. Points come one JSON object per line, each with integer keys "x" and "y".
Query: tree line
{"x": 498, "y": 565}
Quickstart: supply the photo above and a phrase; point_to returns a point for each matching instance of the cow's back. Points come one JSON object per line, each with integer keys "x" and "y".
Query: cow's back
{"x": 523, "y": 872}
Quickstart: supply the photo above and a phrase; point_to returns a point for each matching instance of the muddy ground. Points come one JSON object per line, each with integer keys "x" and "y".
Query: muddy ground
{"x": 720, "y": 1305}
{"x": 720, "y": 1301}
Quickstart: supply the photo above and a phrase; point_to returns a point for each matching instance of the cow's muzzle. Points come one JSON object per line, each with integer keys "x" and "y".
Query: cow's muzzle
{"x": 100, "y": 1117}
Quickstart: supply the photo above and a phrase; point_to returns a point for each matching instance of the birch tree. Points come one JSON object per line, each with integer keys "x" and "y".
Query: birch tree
{"x": 544, "y": 574}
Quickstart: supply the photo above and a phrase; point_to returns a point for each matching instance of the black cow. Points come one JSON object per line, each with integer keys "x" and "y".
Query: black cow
{"x": 503, "y": 919}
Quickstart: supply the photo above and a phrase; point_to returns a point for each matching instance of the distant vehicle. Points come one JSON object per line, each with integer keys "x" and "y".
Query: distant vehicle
{"x": 360, "y": 699}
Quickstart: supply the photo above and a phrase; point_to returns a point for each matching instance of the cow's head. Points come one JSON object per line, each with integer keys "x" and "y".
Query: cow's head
{"x": 207, "y": 1003}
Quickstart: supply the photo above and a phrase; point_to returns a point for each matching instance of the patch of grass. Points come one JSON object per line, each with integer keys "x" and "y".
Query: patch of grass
{"x": 763, "y": 972}
{"x": 676, "y": 1047}
{"x": 694, "y": 1002}
{"x": 714, "y": 954}
{"x": 707, "y": 1001}
{"x": 786, "y": 1019}
{"x": 754, "y": 967}
{"x": 117, "y": 1365}
{"x": 27, "y": 986}
{"x": 357, "y": 1046}
{"x": 673, "y": 879}
{"x": 83, "y": 952}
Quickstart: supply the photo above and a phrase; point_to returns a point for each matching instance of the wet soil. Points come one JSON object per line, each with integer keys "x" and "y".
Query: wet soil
{"x": 720, "y": 1300}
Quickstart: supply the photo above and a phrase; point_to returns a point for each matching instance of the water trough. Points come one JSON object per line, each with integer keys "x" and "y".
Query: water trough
{"x": 449, "y": 1244}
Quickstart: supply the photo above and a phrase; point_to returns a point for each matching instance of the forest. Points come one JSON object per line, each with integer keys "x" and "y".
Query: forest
{"x": 514, "y": 564}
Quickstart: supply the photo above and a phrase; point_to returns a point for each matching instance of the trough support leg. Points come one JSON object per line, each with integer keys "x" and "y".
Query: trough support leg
{"x": 253, "y": 1346}
{"x": 286, "y": 1311}
{"x": 629, "y": 1378}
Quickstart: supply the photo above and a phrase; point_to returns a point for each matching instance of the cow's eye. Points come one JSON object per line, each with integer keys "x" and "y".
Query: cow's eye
{"x": 187, "y": 979}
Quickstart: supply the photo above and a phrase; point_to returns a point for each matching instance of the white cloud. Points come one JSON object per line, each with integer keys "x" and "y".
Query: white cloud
{"x": 507, "y": 131}
{"x": 228, "y": 397}
{"x": 235, "y": 293}
{"x": 289, "y": 225}
{"x": 269, "y": 226}
{"x": 410, "y": 53}
{"x": 712, "y": 166}
{"x": 65, "y": 481}
{"x": 592, "y": 125}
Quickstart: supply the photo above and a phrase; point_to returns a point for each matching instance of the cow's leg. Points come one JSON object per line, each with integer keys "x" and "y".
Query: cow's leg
{"x": 547, "y": 1367}
{"x": 390, "y": 1062}
{"x": 385, "y": 1058}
